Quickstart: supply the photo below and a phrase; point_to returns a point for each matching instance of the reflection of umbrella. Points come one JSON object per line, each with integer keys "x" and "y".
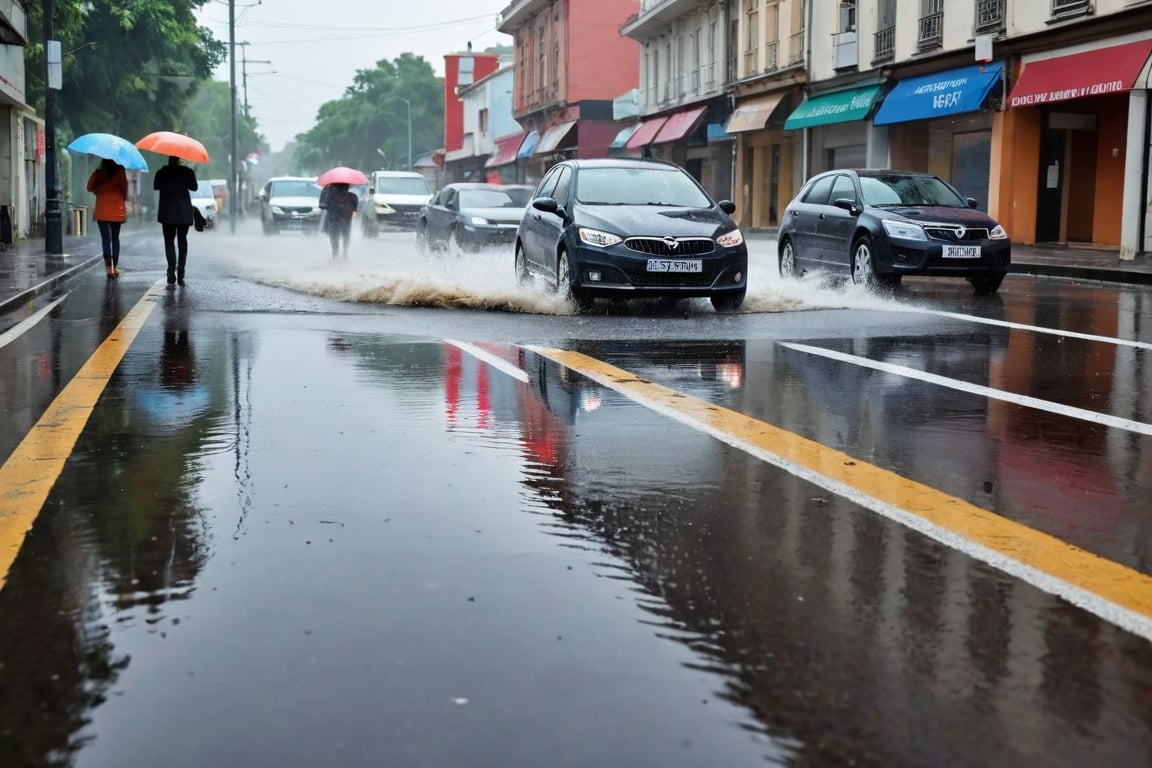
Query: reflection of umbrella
{"x": 173, "y": 407}
{"x": 342, "y": 175}
{"x": 110, "y": 147}
{"x": 174, "y": 144}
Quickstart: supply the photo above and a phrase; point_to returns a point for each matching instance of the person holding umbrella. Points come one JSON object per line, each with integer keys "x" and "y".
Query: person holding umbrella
{"x": 174, "y": 182}
{"x": 110, "y": 185}
{"x": 341, "y": 203}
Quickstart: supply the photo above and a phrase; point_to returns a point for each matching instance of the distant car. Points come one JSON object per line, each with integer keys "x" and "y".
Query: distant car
{"x": 879, "y": 225}
{"x": 290, "y": 202}
{"x": 631, "y": 228}
{"x": 203, "y": 199}
{"x": 398, "y": 197}
{"x": 468, "y": 216}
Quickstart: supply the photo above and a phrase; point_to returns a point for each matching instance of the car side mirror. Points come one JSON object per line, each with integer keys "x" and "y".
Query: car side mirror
{"x": 546, "y": 204}
{"x": 848, "y": 205}
{"x": 727, "y": 206}
{"x": 973, "y": 202}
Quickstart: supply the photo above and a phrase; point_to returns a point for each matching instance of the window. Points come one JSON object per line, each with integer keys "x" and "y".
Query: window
{"x": 563, "y": 181}
{"x": 483, "y": 119}
{"x": 885, "y": 46}
{"x": 847, "y": 15}
{"x": 818, "y": 193}
{"x": 842, "y": 189}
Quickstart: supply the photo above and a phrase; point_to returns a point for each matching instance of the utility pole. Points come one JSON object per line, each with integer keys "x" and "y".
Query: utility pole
{"x": 232, "y": 185}
{"x": 244, "y": 62}
{"x": 53, "y": 217}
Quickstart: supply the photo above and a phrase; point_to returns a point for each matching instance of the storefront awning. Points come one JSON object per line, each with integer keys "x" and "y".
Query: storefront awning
{"x": 506, "y": 149}
{"x": 554, "y": 137}
{"x": 529, "y": 145}
{"x": 752, "y": 115}
{"x": 1092, "y": 73}
{"x": 646, "y": 132}
{"x": 622, "y": 137}
{"x": 836, "y": 107}
{"x": 951, "y": 92}
{"x": 680, "y": 124}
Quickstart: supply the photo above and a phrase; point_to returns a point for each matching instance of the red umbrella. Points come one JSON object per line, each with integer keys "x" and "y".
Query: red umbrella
{"x": 174, "y": 144}
{"x": 342, "y": 175}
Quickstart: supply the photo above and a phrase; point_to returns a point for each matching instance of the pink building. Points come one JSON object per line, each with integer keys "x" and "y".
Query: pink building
{"x": 571, "y": 62}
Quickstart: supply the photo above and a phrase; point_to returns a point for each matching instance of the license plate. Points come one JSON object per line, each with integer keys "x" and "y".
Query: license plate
{"x": 961, "y": 252}
{"x": 675, "y": 265}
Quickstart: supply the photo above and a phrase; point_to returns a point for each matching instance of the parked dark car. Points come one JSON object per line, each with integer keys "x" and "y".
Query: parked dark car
{"x": 631, "y": 228}
{"x": 880, "y": 225}
{"x": 468, "y": 216}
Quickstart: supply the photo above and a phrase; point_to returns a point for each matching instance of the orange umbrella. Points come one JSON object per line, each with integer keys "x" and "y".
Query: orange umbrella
{"x": 174, "y": 144}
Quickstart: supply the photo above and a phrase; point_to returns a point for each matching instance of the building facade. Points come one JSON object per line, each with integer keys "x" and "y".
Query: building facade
{"x": 461, "y": 72}
{"x": 22, "y": 200}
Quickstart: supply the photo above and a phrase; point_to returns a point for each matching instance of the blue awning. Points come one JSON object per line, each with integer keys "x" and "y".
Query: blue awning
{"x": 951, "y": 92}
{"x": 529, "y": 145}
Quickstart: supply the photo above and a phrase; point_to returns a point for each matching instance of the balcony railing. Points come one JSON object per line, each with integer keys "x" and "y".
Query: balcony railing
{"x": 885, "y": 45}
{"x": 796, "y": 49}
{"x": 990, "y": 16}
{"x": 710, "y": 78}
{"x": 772, "y": 56}
{"x": 1065, "y": 8}
{"x": 845, "y": 51}
{"x": 751, "y": 62}
{"x": 931, "y": 26}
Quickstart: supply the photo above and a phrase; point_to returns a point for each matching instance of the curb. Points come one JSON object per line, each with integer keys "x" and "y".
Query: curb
{"x": 49, "y": 283}
{"x": 1097, "y": 274}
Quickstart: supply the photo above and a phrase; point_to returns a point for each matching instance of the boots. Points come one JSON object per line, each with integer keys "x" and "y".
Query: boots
{"x": 108, "y": 268}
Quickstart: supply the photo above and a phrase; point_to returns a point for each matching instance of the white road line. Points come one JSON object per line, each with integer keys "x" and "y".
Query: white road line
{"x": 492, "y": 360}
{"x": 977, "y": 389}
{"x": 28, "y": 323}
{"x": 1036, "y": 328}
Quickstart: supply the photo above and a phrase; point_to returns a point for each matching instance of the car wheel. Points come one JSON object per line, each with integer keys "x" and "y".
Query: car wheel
{"x": 787, "y": 258}
{"x": 523, "y": 276}
{"x": 986, "y": 283}
{"x": 564, "y": 287}
{"x": 727, "y": 302}
{"x": 863, "y": 264}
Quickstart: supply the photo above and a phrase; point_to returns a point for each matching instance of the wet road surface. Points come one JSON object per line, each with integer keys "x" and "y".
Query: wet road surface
{"x": 323, "y": 526}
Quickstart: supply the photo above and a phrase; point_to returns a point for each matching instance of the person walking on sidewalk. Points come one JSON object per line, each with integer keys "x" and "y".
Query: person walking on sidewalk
{"x": 341, "y": 203}
{"x": 110, "y": 185}
{"x": 174, "y": 182}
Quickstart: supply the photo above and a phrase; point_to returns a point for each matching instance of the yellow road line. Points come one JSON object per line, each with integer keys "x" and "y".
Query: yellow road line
{"x": 1108, "y": 589}
{"x": 28, "y": 475}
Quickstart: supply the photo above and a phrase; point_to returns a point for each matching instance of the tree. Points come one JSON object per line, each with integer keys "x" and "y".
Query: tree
{"x": 129, "y": 67}
{"x": 208, "y": 117}
{"x": 367, "y": 127}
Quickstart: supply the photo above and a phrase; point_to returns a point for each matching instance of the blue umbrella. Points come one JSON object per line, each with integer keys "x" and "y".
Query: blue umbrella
{"x": 110, "y": 147}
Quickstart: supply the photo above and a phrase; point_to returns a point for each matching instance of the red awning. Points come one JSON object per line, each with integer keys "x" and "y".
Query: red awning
{"x": 679, "y": 125}
{"x": 506, "y": 147}
{"x": 1079, "y": 75}
{"x": 646, "y": 132}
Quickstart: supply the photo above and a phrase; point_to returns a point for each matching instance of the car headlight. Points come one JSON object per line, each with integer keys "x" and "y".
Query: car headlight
{"x": 211, "y": 207}
{"x": 277, "y": 209}
{"x": 998, "y": 233}
{"x": 384, "y": 208}
{"x": 904, "y": 230}
{"x": 730, "y": 239}
{"x": 477, "y": 221}
{"x": 597, "y": 238}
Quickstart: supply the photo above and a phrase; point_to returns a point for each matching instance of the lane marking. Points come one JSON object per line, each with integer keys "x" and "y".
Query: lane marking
{"x": 28, "y": 323}
{"x": 1027, "y": 401}
{"x": 1036, "y": 328}
{"x": 1113, "y": 592}
{"x": 492, "y": 360}
{"x": 29, "y": 474}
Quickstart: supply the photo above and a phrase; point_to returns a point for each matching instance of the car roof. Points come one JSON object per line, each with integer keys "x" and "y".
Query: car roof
{"x": 292, "y": 178}
{"x": 877, "y": 172}
{"x": 620, "y": 162}
{"x": 485, "y": 185}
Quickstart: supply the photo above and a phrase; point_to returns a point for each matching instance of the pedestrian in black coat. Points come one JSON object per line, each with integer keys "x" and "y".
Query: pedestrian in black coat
{"x": 174, "y": 182}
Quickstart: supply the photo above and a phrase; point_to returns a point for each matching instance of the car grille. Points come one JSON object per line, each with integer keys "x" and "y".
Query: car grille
{"x": 296, "y": 208}
{"x": 406, "y": 209}
{"x": 953, "y": 234}
{"x": 670, "y": 280}
{"x": 671, "y": 247}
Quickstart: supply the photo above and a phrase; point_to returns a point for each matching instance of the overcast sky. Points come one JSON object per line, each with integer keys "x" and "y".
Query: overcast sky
{"x": 316, "y": 46}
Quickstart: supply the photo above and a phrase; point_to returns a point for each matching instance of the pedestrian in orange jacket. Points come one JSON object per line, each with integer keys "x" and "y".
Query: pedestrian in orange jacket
{"x": 110, "y": 185}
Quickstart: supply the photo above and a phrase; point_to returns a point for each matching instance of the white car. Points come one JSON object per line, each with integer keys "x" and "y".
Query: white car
{"x": 290, "y": 202}
{"x": 398, "y": 197}
{"x": 205, "y": 200}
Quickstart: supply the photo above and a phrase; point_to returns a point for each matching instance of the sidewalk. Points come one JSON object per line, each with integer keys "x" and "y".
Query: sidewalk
{"x": 26, "y": 270}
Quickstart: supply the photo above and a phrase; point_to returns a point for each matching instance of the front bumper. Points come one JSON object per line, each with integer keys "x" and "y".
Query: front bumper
{"x": 925, "y": 257}
{"x": 489, "y": 235}
{"x": 621, "y": 272}
{"x": 398, "y": 217}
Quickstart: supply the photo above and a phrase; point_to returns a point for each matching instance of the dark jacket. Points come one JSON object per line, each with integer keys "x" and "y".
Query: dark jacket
{"x": 174, "y": 182}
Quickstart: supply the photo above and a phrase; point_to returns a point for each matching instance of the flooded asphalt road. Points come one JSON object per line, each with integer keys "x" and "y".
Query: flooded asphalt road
{"x": 361, "y": 514}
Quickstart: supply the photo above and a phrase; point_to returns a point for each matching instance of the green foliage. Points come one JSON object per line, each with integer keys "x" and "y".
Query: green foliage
{"x": 208, "y": 118}
{"x": 130, "y": 66}
{"x": 367, "y": 128}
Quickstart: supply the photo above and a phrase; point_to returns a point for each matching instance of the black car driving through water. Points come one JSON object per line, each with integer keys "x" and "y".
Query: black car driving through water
{"x": 631, "y": 228}
{"x": 880, "y": 225}
{"x": 467, "y": 216}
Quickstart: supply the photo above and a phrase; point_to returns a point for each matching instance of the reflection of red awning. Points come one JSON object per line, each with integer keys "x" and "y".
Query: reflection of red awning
{"x": 506, "y": 147}
{"x": 1091, "y": 73}
{"x": 646, "y": 132}
{"x": 680, "y": 125}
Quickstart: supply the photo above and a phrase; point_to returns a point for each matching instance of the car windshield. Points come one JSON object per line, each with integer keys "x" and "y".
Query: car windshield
{"x": 295, "y": 189}
{"x": 401, "y": 185}
{"x": 639, "y": 186}
{"x": 494, "y": 198}
{"x": 897, "y": 190}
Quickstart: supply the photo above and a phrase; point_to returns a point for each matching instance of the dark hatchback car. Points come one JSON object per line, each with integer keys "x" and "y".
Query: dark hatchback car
{"x": 468, "y": 216}
{"x": 880, "y": 225}
{"x": 631, "y": 228}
